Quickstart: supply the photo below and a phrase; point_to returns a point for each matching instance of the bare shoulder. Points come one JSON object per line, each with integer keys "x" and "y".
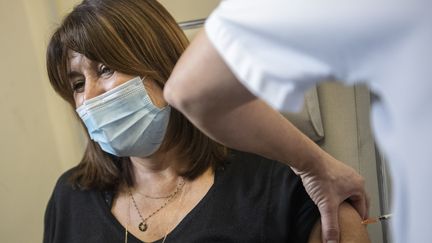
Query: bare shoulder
{"x": 351, "y": 229}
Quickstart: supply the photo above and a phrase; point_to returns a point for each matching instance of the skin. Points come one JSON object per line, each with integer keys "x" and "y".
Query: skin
{"x": 156, "y": 175}
{"x": 352, "y": 231}
{"x": 221, "y": 107}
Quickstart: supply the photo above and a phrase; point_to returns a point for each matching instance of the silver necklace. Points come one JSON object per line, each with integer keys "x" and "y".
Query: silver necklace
{"x": 143, "y": 225}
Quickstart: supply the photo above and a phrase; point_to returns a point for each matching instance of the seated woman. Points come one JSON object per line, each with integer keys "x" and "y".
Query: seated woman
{"x": 148, "y": 175}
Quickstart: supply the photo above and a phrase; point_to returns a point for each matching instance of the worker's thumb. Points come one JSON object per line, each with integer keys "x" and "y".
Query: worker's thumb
{"x": 329, "y": 223}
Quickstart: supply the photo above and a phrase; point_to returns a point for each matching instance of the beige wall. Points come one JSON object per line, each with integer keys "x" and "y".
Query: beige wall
{"x": 30, "y": 158}
{"x": 35, "y": 144}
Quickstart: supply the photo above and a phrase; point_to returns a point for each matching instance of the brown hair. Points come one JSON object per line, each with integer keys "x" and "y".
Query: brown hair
{"x": 135, "y": 37}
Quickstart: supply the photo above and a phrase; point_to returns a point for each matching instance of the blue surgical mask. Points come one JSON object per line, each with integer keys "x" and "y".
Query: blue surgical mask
{"x": 124, "y": 121}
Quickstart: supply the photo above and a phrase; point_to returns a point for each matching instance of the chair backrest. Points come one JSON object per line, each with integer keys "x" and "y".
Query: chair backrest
{"x": 309, "y": 120}
{"x": 348, "y": 137}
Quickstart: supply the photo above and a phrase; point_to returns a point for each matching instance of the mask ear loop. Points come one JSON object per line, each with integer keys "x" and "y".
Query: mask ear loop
{"x": 82, "y": 101}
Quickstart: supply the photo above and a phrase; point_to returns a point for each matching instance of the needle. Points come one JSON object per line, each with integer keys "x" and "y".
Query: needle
{"x": 376, "y": 220}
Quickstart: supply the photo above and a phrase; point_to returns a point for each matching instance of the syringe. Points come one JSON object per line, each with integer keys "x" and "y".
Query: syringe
{"x": 377, "y": 219}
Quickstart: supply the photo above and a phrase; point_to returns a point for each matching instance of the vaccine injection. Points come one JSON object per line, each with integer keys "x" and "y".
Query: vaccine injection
{"x": 376, "y": 220}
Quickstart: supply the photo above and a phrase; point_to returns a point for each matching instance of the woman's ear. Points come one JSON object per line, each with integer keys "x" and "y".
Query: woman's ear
{"x": 155, "y": 93}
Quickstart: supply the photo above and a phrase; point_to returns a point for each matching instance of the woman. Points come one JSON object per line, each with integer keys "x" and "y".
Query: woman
{"x": 147, "y": 173}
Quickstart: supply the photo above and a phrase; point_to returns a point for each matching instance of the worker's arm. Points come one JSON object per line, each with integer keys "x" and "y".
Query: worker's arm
{"x": 204, "y": 89}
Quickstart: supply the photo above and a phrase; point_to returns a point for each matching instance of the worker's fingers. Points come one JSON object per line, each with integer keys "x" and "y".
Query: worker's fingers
{"x": 329, "y": 222}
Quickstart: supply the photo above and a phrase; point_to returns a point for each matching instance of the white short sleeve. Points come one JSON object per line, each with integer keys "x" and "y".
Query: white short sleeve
{"x": 279, "y": 48}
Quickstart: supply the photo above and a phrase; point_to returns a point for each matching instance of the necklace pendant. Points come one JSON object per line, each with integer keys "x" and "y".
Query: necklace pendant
{"x": 143, "y": 226}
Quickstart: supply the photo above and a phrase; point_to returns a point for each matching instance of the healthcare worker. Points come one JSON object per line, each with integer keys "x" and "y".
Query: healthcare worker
{"x": 276, "y": 49}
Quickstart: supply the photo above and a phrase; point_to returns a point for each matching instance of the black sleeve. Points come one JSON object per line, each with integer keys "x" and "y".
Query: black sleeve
{"x": 75, "y": 215}
{"x": 306, "y": 217}
{"x": 52, "y": 215}
{"x": 289, "y": 198}
{"x": 49, "y": 222}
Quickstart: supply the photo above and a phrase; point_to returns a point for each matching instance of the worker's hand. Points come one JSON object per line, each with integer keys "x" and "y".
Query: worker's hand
{"x": 330, "y": 184}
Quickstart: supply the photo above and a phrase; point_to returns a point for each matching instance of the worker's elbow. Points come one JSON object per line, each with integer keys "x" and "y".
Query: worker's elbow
{"x": 169, "y": 91}
{"x": 177, "y": 96}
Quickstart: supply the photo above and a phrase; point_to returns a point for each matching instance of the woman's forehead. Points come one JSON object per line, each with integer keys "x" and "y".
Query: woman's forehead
{"x": 77, "y": 56}
{"x": 72, "y": 53}
{"x": 77, "y": 60}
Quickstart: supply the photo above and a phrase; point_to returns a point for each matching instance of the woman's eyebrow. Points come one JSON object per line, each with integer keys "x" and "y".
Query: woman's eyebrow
{"x": 73, "y": 74}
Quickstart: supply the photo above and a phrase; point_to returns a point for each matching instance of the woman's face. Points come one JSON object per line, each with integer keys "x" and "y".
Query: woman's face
{"x": 89, "y": 79}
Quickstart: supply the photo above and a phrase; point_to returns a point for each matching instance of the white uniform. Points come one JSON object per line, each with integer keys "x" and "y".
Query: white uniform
{"x": 279, "y": 48}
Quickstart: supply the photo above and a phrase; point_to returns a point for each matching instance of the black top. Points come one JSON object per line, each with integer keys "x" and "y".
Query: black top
{"x": 252, "y": 200}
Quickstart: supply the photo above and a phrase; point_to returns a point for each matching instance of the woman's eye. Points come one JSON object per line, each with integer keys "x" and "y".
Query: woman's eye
{"x": 104, "y": 70}
{"x": 78, "y": 86}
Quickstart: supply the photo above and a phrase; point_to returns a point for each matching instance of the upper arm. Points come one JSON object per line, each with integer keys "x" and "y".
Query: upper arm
{"x": 351, "y": 229}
